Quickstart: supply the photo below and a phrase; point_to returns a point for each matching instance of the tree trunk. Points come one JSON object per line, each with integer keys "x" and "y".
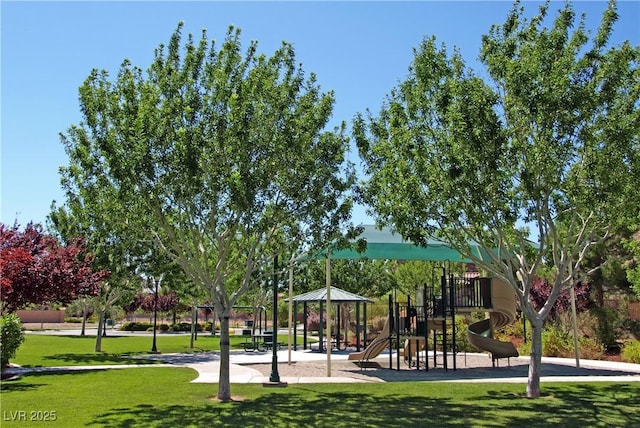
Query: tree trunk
{"x": 99, "y": 333}
{"x": 224, "y": 384}
{"x": 194, "y": 313}
{"x": 535, "y": 363}
{"x": 84, "y": 319}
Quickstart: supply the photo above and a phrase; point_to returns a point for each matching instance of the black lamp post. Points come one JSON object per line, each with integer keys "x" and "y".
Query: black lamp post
{"x": 154, "y": 348}
{"x": 274, "y": 379}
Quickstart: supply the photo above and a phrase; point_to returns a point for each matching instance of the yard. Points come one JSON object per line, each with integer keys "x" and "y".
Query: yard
{"x": 161, "y": 396}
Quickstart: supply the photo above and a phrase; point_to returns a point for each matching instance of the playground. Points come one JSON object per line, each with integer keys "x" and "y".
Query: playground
{"x": 420, "y": 323}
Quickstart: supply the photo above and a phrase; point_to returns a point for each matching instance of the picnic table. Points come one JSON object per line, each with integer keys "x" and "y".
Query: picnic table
{"x": 335, "y": 345}
{"x": 261, "y": 342}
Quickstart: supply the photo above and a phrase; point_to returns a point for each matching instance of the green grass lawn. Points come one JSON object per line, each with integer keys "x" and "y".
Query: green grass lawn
{"x": 164, "y": 397}
{"x": 52, "y": 350}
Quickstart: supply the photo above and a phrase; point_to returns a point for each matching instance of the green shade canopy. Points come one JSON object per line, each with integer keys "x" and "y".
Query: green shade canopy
{"x": 383, "y": 244}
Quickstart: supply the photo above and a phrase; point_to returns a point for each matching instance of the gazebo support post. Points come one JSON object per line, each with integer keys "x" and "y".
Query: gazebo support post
{"x": 358, "y": 326}
{"x": 338, "y": 322}
{"x": 366, "y": 327}
{"x": 305, "y": 310}
{"x": 295, "y": 326}
{"x": 328, "y": 284}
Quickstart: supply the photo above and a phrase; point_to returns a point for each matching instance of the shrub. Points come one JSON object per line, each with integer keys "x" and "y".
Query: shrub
{"x": 607, "y": 324}
{"x": 184, "y": 326}
{"x": 555, "y": 342}
{"x": 590, "y": 349}
{"x": 380, "y": 309}
{"x": 11, "y": 337}
{"x": 524, "y": 348}
{"x": 517, "y": 329}
{"x": 462, "y": 337}
{"x": 558, "y": 343}
{"x": 136, "y": 326}
{"x": 631, "y": 352}
{"x": 207, "y": 326}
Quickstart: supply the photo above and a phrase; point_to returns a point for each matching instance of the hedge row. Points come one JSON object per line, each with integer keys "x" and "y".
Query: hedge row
{"x": 147, "y": 326}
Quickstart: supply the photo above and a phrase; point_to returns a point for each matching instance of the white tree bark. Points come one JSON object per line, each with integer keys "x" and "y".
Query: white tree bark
{"x": 535, "y": 361}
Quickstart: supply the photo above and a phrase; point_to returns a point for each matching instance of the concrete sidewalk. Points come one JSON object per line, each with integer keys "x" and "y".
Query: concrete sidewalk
{"x": 240, "y": 371}
{"x": 472, "y": 367}
{"x": 477, "y": 368}
{"x": 207, "y": 365}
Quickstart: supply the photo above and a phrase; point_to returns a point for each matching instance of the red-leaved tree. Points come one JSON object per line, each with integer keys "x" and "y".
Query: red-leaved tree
{"x": 146, "y": 301}
{"x": 166, "y": 302}
{"x": 541, "y": 289}
{"x": 36, "y": 269}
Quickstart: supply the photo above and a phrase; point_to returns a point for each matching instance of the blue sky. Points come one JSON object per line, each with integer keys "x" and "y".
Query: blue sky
{"x": 358, "y": 49}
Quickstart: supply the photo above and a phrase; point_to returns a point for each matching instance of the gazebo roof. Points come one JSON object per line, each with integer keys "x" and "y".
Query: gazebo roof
{"x": 337, "y": 295}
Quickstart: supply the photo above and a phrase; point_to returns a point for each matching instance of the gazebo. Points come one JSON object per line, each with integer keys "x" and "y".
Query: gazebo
{"x": 337, "y": 296}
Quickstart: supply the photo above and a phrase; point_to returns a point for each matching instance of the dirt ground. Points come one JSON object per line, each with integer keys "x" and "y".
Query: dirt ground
{"x": 476, "y": 365}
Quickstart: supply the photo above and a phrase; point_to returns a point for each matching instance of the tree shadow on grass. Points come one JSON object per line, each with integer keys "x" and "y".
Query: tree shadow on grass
{"x": 382, "y": 371}
{"x": 37, "y": 378}
{"x": 581, "y": 404}
{"x": 98, "y": 358}
{"x": 282, "y": 409}
{"x": 293, "y": 407}
{"x": 11, "y": 385}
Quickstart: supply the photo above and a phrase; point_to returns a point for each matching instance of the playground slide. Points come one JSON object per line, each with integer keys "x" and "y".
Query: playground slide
{"x": 504, "y": 313}
{"x": 379, "y": 344}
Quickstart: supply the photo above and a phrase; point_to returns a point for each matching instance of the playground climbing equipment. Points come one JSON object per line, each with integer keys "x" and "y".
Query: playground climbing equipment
{"x": 427, "y": 322}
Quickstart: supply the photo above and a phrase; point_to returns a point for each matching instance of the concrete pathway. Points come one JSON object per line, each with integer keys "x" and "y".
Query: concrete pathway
{"x": 477, "y": 367}
{"x": 207, "y": 366}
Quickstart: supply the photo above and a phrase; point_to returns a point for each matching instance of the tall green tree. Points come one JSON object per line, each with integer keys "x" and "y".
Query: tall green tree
{"x": 98, "y": 219}
{"x": 414, "y": 274}
{"x": 546, "y": 137}
{"x": 370, "y": 278}
{"x": 222, "y": 156}
{"x": 616, "y": 260}
{"x": 633, "y": 265}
